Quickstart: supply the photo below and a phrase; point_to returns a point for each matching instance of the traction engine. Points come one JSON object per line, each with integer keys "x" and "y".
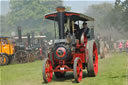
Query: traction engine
{"x": 73, "y": 51}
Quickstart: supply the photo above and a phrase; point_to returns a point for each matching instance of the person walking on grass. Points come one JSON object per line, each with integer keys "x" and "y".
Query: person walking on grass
{"x": 126, "y": 45}
{"x": 120, "y": 46}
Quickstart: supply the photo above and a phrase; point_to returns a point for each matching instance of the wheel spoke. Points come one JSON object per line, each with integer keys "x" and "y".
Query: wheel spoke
{"x": 77, "y": 71}
{"x": 46, "y": 70}
{"x": 50, "y": 70}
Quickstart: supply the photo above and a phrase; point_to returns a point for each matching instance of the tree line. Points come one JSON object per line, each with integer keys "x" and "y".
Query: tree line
{"x": 110, "y": 16}
{"x": 29, "y": 14}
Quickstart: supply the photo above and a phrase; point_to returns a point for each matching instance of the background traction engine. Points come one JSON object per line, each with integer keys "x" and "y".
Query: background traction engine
{"x": 68, "y": 55}
{"x": 6, "y": 51}
{"x": 24, "y": 53}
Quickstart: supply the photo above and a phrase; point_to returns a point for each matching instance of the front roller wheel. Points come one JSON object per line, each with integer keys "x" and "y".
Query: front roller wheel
{"x": 92, "y": 65}
{"x": 78, "y": 71}
{"x": 1, "y": 60}
{"x": 47, "y": 70}
{"x": 5, "y": 59}
{"x": 59, "y": 74}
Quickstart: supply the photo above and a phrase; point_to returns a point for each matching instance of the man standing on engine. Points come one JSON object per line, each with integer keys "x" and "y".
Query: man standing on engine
{"x": 85, "y": 29}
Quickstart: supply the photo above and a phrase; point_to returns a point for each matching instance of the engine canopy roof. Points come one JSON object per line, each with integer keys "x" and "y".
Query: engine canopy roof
{"x": 73, "y": 16}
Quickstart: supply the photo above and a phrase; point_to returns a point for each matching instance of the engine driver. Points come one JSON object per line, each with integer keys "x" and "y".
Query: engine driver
{"x": 85, "y": 29}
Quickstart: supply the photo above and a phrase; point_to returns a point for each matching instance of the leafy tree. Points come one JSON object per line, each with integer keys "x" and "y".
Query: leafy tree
{"x": 3, "y": 26}
{"x": 30, "y": 13}
{"x": 117, "y": 15}
{"x": 101, "y": 12}
{"x": 117, "y": 3}
{"x": 109, "y": 20}
{"x": 125, "y": 15}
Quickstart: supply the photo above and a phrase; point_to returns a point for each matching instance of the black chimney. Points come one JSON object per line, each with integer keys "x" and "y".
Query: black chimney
{"x": 33, "y": 38}
{"x": 28, "y": 38}
{"x": 61, "y": 15}
{"x": 19, "y": 34}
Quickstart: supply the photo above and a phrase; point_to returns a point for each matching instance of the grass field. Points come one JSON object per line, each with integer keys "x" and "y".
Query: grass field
{"x": 112, "y": 71}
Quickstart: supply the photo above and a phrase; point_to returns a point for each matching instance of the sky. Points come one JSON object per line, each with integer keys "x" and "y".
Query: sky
{"x": 76, "y": 5}
{"x": 76, "y": 0}
{"x": 82, "y": 5}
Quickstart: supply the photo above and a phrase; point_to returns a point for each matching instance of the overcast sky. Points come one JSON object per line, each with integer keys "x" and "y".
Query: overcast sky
{"x": 76, "y": 5}
{"x": 82, "y": 5}
{"x": 75, "y": 0}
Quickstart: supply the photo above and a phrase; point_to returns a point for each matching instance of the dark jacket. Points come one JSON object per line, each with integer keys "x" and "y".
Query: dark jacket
{"x": 86, "y": 31}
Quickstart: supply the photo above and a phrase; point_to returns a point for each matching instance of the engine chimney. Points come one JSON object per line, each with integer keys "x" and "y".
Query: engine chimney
{"x": 33, "y": 37}
{"x": 60, "y": 13}
{"x": 28, "y": 38}
{"x": 19, "y": 34}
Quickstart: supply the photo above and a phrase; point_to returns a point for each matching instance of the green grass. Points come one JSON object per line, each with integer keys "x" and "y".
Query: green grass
{"x": 112, "y": 71}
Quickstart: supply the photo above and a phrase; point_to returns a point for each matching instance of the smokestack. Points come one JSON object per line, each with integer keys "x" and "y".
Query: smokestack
{"x": 33, "y": 38}
{"x": 19, "y": 34}
{"x": 61, "y": 15}
{"x": 28, "y": 38}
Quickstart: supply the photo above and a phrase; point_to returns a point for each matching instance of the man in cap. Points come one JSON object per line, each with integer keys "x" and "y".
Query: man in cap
{"x": 85, "y": 30}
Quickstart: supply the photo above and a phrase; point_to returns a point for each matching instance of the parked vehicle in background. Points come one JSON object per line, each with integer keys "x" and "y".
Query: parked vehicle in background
{"x": 6, "y": 51}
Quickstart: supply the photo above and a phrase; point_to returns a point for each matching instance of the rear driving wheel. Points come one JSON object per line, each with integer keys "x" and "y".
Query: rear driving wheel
{"x": 21, "y": 56}
{"x": 95, "y": 59}
{"x": 92, "y": 65}
{"x": 47, "y": 70}
{"x": 78, "y": 71}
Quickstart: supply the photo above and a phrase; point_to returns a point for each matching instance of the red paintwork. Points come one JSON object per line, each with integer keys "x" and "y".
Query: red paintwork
{"x": 83, "y": 55}
{"x": 79, "y": 70}
{"x": 48, "y": 70}
{"x": 71, "y": 14}
{"x": 63, "y": 49}
{"x": 57, "y": 69}
{"x": 63, "y": 64}
{"x": 95, "y": 63}
{"x": 51, "y": 15}
{"x": 67, "y": 14}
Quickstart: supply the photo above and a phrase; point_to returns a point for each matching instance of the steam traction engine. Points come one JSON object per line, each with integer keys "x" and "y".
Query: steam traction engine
{"x": 73, "y": 51}
{"x": 23, "y": 52}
